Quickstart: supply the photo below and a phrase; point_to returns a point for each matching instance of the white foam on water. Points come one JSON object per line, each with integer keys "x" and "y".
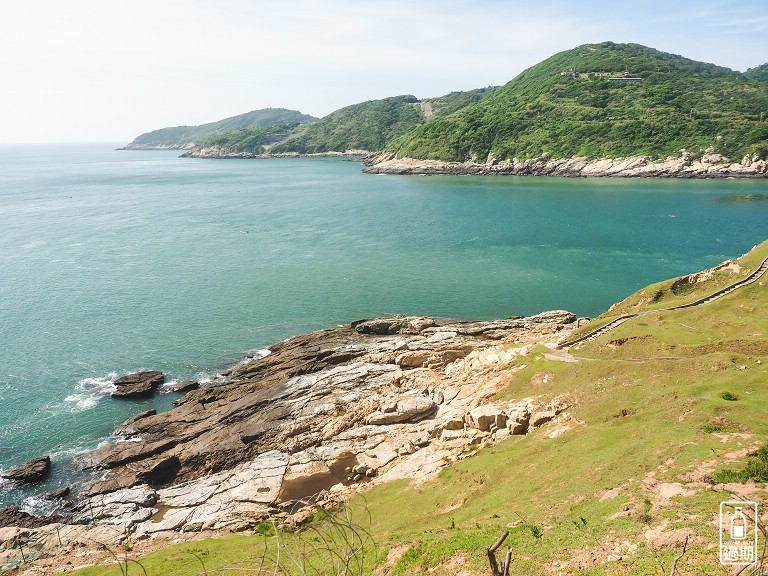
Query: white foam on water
{"x": 66, "y": 453}
{"x": 167, "y": 387}
{"x": 89, "y": 391}
{"x": 37, "y": 506}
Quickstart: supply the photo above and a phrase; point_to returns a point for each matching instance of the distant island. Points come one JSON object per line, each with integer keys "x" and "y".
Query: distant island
{"x": 185, "y": 137}
{"x": 598, "y": 109}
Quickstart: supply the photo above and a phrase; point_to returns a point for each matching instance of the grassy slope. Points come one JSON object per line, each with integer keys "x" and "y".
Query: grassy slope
{"x": 183, "y": 135}
{"x": 642, "y": 411}
{"x": 680, "y": 103}
{"x": 374, "y": 124}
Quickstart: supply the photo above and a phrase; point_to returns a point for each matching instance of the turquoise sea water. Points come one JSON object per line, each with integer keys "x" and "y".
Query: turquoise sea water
{"x": 113, "y": 261}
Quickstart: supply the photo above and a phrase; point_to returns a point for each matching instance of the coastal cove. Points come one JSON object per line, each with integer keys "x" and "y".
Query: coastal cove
{"x": 115, "y": 262}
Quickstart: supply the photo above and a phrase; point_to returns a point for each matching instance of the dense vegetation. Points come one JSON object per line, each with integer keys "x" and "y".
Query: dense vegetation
{"x": 759, "y": 73}
{"x": 374, "y": 124}
{"x": 567, "y": 106}
{"x": 182, "y": 136}
{"x": 251, "y": 140}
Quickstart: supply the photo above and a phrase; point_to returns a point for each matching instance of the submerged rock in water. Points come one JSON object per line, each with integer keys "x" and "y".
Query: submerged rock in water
{"x": 139, "y": 385}
{"x": 186, "y": 386}
{"x": 33, "y": 471}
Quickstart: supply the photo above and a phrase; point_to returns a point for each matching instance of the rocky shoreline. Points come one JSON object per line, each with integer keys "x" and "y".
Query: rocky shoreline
{"x": 709, "y": 166}
{"x": 217, "y": 152}
{"x": 322, "y": 416}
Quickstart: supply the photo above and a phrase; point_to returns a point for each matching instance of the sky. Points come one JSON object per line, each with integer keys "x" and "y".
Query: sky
{"x": 108, "y": 70}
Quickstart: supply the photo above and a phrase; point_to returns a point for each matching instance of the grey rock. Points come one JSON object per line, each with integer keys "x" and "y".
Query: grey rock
{"x": 393, "y": 325}
{"x": 409, "y": 409}
{"x": 485, "y": 417}
{"x": 542, "y": 417}
{"x": 519, "y": 420}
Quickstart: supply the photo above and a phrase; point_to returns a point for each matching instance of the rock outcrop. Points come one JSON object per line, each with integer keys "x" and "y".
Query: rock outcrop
{"x": 33, "y": 471}
{"x": 321, "y": 416}
{"x": 710, "y": 166}
{"x": 139, "y": 385}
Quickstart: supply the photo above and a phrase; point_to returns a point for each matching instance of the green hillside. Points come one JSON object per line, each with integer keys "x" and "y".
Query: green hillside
{"x": 759, "y": 73}
{"x": 667, "y": 419}
{"x": 184, "y": 136}
{"x": 251, "y": 140}
{"x": 582, "y": 102}
{"x": 374, "y": 124}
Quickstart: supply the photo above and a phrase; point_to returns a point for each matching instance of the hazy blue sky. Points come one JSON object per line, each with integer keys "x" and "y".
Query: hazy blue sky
{"x": 107, "y": 70}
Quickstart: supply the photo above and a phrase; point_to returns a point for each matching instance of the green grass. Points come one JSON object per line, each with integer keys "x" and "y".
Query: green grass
{"x": 672, "y": 293}
{"x": 755, "y": 469}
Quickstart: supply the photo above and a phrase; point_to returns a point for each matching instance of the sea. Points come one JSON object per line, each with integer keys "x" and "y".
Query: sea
{"x": 117, "y": 261}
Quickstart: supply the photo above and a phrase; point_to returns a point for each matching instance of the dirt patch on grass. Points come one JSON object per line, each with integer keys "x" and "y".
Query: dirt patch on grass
{"x": 589, "y": 558}
{"x": 661, "y": 539}
{"x": 746, "y": 347}
{"x": 456, "y": 564}
{"x": 393, "y": 557}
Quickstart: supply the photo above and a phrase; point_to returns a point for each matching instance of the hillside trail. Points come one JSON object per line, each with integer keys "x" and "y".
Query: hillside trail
{"x": 753, "y": 277}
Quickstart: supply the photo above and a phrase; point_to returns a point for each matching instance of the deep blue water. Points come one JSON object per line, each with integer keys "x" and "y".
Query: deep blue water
{"x": 115, "y": 261}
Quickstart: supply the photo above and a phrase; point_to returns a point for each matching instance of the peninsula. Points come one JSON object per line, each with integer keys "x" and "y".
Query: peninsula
{"x": 597, "y": 445}
{"x": 601, "y": 109}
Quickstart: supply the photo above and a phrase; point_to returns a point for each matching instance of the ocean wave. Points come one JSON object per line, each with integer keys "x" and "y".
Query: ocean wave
{"x": 89, "y": 391}
{"x": 251, "y": 355}
{"x": 37, "y": 506}
{"x": 68, "y": 453}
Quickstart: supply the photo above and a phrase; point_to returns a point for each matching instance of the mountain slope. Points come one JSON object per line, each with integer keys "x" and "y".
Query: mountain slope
{"x": 584, "y": 102}
{"x": 372, "y": 125}
{"x": 179, "y": 137}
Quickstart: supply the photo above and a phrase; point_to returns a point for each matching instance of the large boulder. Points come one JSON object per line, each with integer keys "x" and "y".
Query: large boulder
{"x": 483, "y": 417}
{"x": 551, "y": 317}
{"x": 33, "y": 471}
{"x": 186, "y": 386}
{"x": 407, "y": 409}
{"x": 519, "y": 419}
{"x": 393, "y": 325}
{"x": 139, "y": 385}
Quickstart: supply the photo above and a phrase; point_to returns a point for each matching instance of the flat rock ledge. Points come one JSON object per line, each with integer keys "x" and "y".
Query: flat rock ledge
{"x": 322, "y": 416}
{"x": 710, "y": 166}
{"x": 138, "y": 385}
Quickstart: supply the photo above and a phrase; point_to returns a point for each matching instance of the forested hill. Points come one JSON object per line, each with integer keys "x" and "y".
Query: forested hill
{"x": 374, "y": 124}
{"x": 187, "y": 136}
{"x": 759, "y": 73}
{"x": 605, "y": 100}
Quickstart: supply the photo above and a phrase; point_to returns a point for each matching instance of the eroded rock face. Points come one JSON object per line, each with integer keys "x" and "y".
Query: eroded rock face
{"x": 405, "y": 409}
{"x": 381, "y": 399}
{"x": 139, "y": 385}
{"x": 307, "y": 392}
{"x": 710, "y": 166}
{"x": 33, "y": 471}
